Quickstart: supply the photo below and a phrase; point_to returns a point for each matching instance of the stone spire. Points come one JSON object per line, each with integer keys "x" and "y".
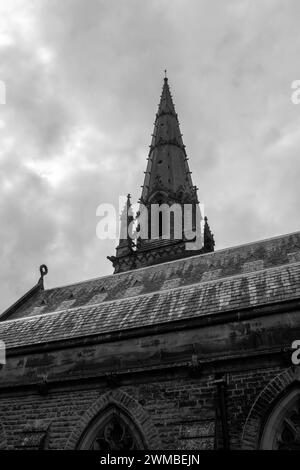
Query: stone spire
{"x": 167, "y": 178}
{"x": 167, "y": 181}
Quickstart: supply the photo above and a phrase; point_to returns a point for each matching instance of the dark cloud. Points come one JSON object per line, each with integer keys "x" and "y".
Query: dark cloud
{"x": 83, "y": 82}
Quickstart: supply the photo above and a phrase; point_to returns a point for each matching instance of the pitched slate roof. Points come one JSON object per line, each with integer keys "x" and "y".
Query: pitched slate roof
{"x": 226, "y": 280}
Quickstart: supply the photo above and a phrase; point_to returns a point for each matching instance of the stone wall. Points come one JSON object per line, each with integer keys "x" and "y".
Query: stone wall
{"x": 182, "y": 412}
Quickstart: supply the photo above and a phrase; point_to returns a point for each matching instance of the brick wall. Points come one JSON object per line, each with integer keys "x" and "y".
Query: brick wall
{"x": 181, "y": 409}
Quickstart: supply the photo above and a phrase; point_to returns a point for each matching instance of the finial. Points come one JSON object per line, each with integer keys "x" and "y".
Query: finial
{"x": 44, "y": 272}
{"x": 166, "y": 78}
{"x": 209, "y": 241}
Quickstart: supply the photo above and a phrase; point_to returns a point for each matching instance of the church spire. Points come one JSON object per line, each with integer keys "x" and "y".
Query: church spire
{"x": 167, "y": 183}
{"x": 167, "y": 177}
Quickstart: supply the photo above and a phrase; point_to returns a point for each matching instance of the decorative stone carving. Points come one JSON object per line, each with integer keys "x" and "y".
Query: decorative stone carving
{"x": 114, "y": 435}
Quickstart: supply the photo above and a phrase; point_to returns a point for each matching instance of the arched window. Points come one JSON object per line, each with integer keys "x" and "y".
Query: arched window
{"x": 112, "y": 430}
{"x": 282, "y": 429}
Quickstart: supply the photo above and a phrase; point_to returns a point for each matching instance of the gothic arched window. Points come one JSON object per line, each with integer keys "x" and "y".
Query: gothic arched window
{"x": 282, "y": 429}
{"x": 112, "y": 430}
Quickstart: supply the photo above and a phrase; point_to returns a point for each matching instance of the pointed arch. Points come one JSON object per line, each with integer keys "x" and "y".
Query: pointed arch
{"x": 159, "y": 197}
{"x": 113, "y": 429}
{"x": 279, "y": 394}
{"x": 282, "y": 428}
{"x": 115, "y": 408}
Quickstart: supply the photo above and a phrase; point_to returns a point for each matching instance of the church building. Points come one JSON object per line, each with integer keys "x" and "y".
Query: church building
{"x": 179, "y": 348}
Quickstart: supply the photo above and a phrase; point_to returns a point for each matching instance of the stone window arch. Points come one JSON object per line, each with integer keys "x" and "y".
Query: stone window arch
{"x": 274, "y": 418}
{"x": 114, "y": 430}
{"x": 282, "y": 428}
{"x": 125, "y": 417}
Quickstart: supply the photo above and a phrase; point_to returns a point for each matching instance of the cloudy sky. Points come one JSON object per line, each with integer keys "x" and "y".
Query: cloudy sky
{"x": 83, "y": 80}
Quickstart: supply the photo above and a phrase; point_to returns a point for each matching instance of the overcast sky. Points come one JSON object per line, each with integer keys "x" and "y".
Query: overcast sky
{"x": 83, "y": 82}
